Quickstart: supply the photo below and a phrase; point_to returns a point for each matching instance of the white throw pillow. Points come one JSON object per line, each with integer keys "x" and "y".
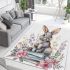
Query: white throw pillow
{"x": 19, "y": 13}
{"x": 3, "y": 26}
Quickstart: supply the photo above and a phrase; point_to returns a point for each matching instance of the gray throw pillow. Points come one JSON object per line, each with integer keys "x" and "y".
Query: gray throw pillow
{"x": 7, "y": 20}
{"x": 19, "y": 14}
{"x": 12, "y": 13}
{"x": 1, "y": 18}
{"x": 7, "y": 16}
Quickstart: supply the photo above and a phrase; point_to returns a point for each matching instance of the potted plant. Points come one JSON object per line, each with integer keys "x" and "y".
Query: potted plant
{"x": 67, "y": 9}
{"x": 23, "y": 4}
{"x": 67, "y": 16}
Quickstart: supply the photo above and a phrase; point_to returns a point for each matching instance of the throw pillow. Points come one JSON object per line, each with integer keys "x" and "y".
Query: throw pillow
{"x": 7, "y": 16}
{"x": 12, "y": 13}
{"x": 2, "y": 26}
{"x": 19, "y": 14}
{"x": 1, "y": 18}
{"x": 7, "y": 20}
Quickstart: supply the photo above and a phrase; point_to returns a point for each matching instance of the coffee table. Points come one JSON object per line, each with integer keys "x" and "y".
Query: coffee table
{"x": 25, "y": 64}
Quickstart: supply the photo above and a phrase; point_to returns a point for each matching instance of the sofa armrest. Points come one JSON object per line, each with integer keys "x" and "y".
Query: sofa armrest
{"x": 4, "y": 38}
{"x": 27, "y": 15}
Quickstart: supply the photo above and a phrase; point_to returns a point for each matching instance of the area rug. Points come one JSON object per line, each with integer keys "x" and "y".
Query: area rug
{"x": 46, "y": 49}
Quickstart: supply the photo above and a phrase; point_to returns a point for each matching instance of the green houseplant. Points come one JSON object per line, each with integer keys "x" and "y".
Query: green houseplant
{"x": 67, "y": 15}
{"x": 23, "y": 4}
{"x": 67, "y": 10}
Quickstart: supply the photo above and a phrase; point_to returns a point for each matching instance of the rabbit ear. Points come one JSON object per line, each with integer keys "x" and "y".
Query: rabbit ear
{"x": 55, "y": 31}
{"x": 45, "y": 29}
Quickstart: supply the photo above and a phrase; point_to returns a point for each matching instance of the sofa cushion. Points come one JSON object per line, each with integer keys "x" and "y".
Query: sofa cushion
{"x": 7, "y": 19}
{"x": 22, "y": 21}
{"x": 14, "y": 30}
{"x": 19, "y": 14}
{"x": 12, "y": 13}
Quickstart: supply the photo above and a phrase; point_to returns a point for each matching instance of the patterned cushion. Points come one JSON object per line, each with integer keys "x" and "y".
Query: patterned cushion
{"x": 7, "y": 19}
{"x": 12, "y": 13}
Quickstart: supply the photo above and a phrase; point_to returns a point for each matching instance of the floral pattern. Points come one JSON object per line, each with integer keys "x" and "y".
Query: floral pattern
{"x": 53, "y": 61}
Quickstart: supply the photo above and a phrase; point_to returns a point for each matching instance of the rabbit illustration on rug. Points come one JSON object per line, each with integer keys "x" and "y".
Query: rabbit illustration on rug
{"x": 44, "y": 45}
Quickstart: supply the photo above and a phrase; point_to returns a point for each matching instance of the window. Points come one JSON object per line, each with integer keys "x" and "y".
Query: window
{"x": 38, "y": 2}
{"x": 44, "y": 1}
{"x": 50, "y": 2}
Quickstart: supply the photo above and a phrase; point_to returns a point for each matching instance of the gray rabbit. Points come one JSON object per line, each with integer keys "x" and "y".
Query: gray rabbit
{"x": 44, "y": 46}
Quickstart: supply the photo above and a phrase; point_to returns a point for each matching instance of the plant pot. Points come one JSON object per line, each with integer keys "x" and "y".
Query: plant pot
{"x": 68, "y": 16}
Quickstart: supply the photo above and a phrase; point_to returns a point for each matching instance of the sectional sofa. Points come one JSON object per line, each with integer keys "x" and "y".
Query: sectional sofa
{"x": 15, "y": 24}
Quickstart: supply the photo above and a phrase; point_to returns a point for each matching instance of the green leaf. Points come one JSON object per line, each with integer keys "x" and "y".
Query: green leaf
{"x": 57, "y": 54}
{"x": 23, "y": 4}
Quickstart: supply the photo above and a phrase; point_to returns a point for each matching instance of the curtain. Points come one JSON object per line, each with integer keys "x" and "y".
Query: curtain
{"x": 68, "y": 3}
{"x": 17, "y": 1}
{"x": 31, "y": 4}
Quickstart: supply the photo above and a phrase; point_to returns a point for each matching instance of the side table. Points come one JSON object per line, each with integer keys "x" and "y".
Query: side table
{"x": 30, "y": 12}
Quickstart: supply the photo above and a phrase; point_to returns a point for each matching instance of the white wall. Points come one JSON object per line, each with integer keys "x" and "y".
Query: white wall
{"x": 6, "y": 5}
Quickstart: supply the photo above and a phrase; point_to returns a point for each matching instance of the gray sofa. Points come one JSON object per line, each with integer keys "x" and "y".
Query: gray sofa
{"x": 18, "y": 26}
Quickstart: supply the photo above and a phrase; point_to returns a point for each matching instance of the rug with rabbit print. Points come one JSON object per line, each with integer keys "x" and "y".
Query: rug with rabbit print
{"x": 48, "y": 49}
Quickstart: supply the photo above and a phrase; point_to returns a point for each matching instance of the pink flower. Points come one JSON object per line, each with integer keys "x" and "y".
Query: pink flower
{"x": 21, "y": 53}
{"x": 43, "y": 64}
{"x": 47, "y": 63}
{"x": 55, "y": 62}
